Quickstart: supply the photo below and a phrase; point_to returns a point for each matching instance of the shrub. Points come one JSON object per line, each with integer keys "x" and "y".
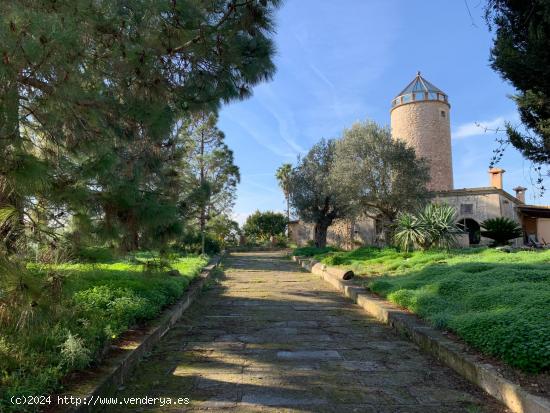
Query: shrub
{"x": 409, "y": 233}
{"x": 94, "y": 254}
{"x": 74, "y": 353}
{"x": 281, "y": 241}
{"x": 191, "y": 243}
{"x": 501, "y": 230}
{"x": 434, "y": 227}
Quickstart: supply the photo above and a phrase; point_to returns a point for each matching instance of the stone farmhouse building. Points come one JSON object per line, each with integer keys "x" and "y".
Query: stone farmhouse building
{"x": 420, "y": 116}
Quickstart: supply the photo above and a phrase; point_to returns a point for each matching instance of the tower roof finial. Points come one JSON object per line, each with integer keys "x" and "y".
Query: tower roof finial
{"x": 418, "y": 73}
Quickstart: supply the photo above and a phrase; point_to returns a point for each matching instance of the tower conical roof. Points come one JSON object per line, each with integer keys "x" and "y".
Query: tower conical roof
{"x": 419, "y": 84}
{"x": 419, "y": 89}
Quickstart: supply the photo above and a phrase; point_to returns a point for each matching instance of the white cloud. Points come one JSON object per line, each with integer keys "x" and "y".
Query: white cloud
{"x": 467, "y": 130}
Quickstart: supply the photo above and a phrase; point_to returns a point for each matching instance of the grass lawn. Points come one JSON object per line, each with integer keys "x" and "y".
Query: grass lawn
{"x": 498, "y": 302}
{"x": 91, "y": 304}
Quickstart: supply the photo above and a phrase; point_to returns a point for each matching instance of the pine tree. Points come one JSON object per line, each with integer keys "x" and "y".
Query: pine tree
{"x": 210, "y": 176}
{"x": 521, "y": 54}
{"x": 90, "y": 93}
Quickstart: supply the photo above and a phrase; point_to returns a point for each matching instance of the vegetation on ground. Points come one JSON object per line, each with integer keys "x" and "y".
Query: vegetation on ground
{"x": 87, "y": 306}
{"x": 496, "y": 301}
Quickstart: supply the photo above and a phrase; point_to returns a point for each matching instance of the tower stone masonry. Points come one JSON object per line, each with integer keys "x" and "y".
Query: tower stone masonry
{"x": 420, "y": 116}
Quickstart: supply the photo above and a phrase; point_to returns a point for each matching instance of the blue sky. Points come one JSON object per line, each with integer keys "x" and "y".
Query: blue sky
{"x": 343, "y": 61}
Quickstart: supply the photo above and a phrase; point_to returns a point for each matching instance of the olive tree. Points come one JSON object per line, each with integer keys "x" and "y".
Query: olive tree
{"x": 315, "y": 196}
{"x": 382, "y": 174}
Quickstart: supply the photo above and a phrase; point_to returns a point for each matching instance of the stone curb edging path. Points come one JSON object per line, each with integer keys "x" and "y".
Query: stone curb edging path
{"x": 116, "y": 370}
{"x": 449, "y": 352}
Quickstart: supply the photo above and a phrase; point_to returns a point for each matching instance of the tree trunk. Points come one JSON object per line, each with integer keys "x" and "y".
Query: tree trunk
{"x": 320, "y": 238}
{"x": 10, "y": 144}
{"x": 287, "y": 216}
{"x": 202, "y": 217}
{"x": 203, "y": 230}
{"x": 130, "y": 241}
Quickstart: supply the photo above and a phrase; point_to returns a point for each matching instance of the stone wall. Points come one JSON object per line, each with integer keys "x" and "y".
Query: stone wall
{"x": 425, "y": 125}
{"x": 343, "y": 233}
{"x": 481, "y": 204}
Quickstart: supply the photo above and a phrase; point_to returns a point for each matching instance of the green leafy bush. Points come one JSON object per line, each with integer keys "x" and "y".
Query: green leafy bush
{"x": 95, "y": 254}
{"x": 191, "y": 243}
{"x": 409, "y": 232}
{"x": 501, "y": 230}
{"x": 261, "y": 226}
{"x": 281, "y": 241}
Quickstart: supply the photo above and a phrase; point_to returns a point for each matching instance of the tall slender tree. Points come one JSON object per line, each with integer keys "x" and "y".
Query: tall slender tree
{"x": 283, "y": 178}
{"x": 210, "y": 175}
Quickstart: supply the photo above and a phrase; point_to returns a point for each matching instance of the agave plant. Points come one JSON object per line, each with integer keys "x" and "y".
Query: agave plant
{"x": 501, "y": 230}
{"x": 439, "y": 222}
{"x": 409, "y": 233}
{"x": 434, "y": 227}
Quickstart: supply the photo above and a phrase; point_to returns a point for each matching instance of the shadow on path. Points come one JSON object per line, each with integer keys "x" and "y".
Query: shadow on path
{"x": 266, "y": 336}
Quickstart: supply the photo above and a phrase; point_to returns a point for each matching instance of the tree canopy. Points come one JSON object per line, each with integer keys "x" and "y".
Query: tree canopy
{"x": 364, "y": 173}
{"x": 521, "y": 55}
{"x": 383, "y": 174}
{"x": 92, "y": 94}
{"x": 209, "y": 174}
{"x": 262, "y": 226}
{"x": 314, "y": 194}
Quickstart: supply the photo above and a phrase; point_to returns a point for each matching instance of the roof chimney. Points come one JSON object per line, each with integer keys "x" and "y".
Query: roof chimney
{"x": 495, "y": 177}
{"x": 520, "y": 193}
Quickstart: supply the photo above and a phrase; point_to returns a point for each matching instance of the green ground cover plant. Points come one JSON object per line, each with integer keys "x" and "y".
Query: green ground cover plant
{"x": 496, "y": 301}
{"x": 94, "y": 303}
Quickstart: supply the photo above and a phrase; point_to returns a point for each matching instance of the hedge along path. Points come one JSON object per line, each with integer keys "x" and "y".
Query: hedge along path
{"x": 271, "y": 337}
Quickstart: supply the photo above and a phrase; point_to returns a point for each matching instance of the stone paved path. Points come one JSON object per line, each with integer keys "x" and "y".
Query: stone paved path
{"x": 268, "y": 337}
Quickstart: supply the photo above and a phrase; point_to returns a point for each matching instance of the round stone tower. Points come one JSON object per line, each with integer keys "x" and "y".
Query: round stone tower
{"x": 420, "y": 117}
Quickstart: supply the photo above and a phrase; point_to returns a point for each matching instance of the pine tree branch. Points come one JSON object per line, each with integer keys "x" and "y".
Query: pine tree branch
{"x": 231, "y": 8}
